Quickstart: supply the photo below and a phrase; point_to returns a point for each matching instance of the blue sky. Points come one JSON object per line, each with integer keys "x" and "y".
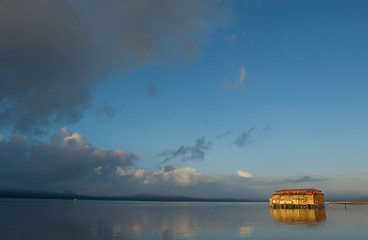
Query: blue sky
{"x": 274, "y": 89}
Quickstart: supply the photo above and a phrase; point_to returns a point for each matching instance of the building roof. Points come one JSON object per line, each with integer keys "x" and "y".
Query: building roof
{"x": 304, "y": 191}
{"x": 300, "y": 190}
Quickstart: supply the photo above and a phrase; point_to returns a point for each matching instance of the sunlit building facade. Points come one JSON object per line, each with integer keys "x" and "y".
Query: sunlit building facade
{"x": 297, "y": 198}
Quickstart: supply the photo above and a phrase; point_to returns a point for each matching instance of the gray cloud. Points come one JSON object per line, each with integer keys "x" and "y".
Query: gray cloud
{"x": 244, "y": 139}
{"x": 224, "y": 134}
{"x": 171, "y": 167}
{"x": 306, "y": 179}
{"x": 152, "y": 90}
{"x": 65, "y": 157}
{"x": 186, "y": 153}
{"x": 106, "y": 112}
{"x": 53, "y": 54}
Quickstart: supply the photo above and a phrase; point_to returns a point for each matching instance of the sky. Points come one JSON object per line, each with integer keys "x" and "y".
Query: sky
{"x": 192, "y": 98}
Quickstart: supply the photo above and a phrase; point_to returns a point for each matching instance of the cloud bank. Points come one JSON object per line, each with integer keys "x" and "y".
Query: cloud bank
{"x": 68, "y": 162}
{"x": 65, "y": 157}
{"x": 53, "y": 54}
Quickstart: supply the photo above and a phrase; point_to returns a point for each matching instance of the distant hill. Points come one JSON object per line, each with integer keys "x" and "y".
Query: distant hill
{"x": 347, "y": 198}
{"x": 140, "y": 197}
{"x": 361, "y": 199}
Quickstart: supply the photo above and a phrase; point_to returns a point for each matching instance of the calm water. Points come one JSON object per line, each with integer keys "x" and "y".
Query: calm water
{"x": 64, "y": 219}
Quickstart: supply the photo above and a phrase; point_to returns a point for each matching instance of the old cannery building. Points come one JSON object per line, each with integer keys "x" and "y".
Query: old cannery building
{"x": 297, "y": 198}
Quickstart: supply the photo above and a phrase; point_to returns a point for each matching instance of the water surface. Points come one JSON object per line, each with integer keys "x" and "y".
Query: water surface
{"x": 64, "y": 219}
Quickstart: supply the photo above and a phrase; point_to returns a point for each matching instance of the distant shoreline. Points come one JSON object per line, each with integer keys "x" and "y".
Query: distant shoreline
{"x": 139, "y": 197}
{"x": 150, "y": 198}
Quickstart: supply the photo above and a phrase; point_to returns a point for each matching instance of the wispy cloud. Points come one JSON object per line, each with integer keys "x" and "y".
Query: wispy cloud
{"x": 244, "y": 139}
{"x": 236, "y": 35}
{"x": 238, "y": 84}
{"x": 153, "y": 90}
{"x": 106, "y": 112}
{"x": 186, "y": 153}
{"x": 224, "y": 134}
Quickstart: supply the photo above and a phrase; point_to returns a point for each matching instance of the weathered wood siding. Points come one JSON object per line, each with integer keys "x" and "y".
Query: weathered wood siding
{"x": 297, "y": 198}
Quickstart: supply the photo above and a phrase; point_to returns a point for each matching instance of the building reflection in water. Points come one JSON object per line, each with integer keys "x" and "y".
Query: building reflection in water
{"x": 299, "y": 216}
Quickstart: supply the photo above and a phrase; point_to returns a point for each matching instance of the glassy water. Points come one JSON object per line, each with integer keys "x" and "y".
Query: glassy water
{"x": 64, "y": 219}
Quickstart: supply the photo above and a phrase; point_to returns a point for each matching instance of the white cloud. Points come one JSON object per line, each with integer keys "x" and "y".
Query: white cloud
{"x": 179, "y": 176}
{"x": 244, "y": 174}
{"x": 98, "y": 170}
{"x": 138, "y": 173}
{"x": 75, "y": 137}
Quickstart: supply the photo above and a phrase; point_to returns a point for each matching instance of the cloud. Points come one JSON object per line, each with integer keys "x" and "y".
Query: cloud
{"x": 305, "y": 179}
{"x": 171, "y": 167}
{"x": 152, "y": 90}
{"x": 54, "y": 54}
{"x": 137, "y": 173}
{"x": 171, "y": 174}
{"x": 224, "y": 134}
{"x": 237, "y": 84}
{"x": 244, "y": 139}
{"x": 68, "y": 162}
{"x": 175, "y": 180}
{"x": 65, "y": 157}
{"x": 179, "y": 176}
{"x": 106, "y": 112}
{"x": 244, "y": 174}
{"x": 174, "y": 175}
{"x": 232, "y": 37}
{"x": 236, "y": 35}
{"x": 186, "y": 153}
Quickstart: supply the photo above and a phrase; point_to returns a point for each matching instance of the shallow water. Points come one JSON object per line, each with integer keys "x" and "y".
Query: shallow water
{"x": 64, "y": 219}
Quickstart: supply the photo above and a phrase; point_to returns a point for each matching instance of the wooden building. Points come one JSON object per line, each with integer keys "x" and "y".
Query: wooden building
{"x": 298, "y": 198}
